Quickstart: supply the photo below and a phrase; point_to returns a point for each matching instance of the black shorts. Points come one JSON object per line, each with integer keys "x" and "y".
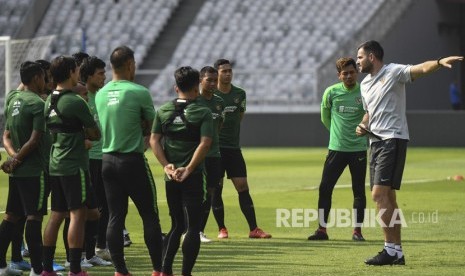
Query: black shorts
{"x": 27, "y": 196}
{"x": 72, "y": 192}
{"x": 190, "y": 190}
{"x": 213, "y": 171}
{"x": 387, "y": 162}
{"x": 337, "y": 161}
{"x": 232, "y": 162}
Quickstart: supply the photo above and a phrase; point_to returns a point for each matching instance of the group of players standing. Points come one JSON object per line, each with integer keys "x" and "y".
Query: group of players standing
{"x": 195, "y": 137}
{"x": 84, "y": 144}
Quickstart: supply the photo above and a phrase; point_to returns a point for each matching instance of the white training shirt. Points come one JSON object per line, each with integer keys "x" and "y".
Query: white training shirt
{"x": 383, "y": 96}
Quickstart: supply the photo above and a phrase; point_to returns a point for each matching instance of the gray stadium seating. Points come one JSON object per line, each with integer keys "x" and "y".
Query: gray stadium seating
{"x": 106, "y": 25}
{"x": 276, "y": 45}
{"x": 283, "y": 50}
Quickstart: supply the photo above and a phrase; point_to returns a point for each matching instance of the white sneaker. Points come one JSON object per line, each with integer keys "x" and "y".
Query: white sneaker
{"x": 127, "y": 240}
{"x": 97, "y": 261}
{"x": 103, "y": 253}
{"x": 8, "y": 271}
{"x": 83, "y": 265}
{"x": 203, "y": 238}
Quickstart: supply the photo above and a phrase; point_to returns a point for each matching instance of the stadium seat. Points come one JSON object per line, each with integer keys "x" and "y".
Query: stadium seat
{"x": 131, "y": 23}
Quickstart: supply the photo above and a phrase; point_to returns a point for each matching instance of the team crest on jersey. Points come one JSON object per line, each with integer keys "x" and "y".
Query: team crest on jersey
{"x": 52, "y": 113}
{"x": 358, "y": 100}
{"x": 178, "y": 120}
{"x": 382, "y": 81}
{"x": 237, "y": 100}
{"x": 218, "y": 107}
{"x": 16, "y": 106}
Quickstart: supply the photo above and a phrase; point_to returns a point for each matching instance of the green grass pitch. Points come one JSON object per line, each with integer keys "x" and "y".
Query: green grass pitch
{"x": 286, "y": 178}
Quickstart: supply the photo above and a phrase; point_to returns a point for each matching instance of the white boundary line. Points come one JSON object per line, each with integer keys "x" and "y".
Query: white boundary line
{"x": 343, "y": 186}
{"x": 408, "y": 182}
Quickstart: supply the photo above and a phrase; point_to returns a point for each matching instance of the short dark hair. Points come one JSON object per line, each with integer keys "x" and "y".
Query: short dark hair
{"x": 89, "y": 65}
{"x": 207, "y": 69}
{"x": 186, "y": 78}
{"x": 343, "y": 62}
{"x": 29, "y": 70}
{"x": 60, "y": 68}
{"x": 79, "y": 57}
{"x": 374, "y": 48}
{"x": 120, "y": 56}
{"x": 220, "y": 62}
{"x": 45, "y": 64}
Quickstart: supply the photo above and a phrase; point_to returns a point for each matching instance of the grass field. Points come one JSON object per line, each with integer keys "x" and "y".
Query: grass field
{"x": 289, "y": 178}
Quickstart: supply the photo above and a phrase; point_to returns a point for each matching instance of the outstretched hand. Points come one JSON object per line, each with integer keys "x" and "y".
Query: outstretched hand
{"x": 448, "y": 61}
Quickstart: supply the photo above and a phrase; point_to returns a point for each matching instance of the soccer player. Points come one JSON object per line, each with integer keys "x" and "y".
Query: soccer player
{"x": 69, "y": 120}
{"x": 126, "y": 112}
{"x": 208, "y": 84}
{"x": 341, "y": 112}
{"x": 24, "y": 142}
{"x": 92, "y": 72}
{"x": 231, "y": 155}
{"x": 79, "y": 57}
{"x": 81, "y": 90}
{"x": 383, "y": 95}
{"x": 181, "y": 138}
{"x": 18, "y": 247}
{"x": 49, "y": 86}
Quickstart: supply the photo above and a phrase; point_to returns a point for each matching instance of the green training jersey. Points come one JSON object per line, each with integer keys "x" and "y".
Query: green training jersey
{"x": 180, "y": 140}
{"x": 24, "y": 114}
{"x": 9, "y": 96}
{"x": 68, "y": 154}
{"x": 95, "y": 152}
{"x": 216, "y": 106}
{"x": 341, "y": 112}
{"x": 234, "y": 106}
{"x": 122, "y": 106}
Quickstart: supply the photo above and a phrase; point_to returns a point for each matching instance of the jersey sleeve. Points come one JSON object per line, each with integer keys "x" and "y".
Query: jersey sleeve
{"x": 206, "y": 128}
{"x": 402, "y": 73}
{"x": 364, "y": 104}
{"x": 148, "y": 111}
{"x": 326, "y": 104}
{"x": 243, "y": 102}
{"x": 83, "y": 113}
{"x": 156, "y": 126}
{"x": 38, "y": 122}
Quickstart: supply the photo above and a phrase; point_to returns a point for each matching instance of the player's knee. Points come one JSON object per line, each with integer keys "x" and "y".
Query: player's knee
{"x": 12, "y": 217}
{"x": 242, "y": 188}
{"x": 241, "y": 184}
{"x": 379, "y": 197}
{"x": 35, "y": 217}
{"x": 93, "y": 214}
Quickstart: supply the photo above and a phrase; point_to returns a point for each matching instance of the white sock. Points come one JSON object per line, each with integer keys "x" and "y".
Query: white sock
{"x": 390, "y": 248}
{"x": 399, "y": 252}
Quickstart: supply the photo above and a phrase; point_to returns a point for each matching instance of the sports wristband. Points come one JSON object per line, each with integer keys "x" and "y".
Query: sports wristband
{"x": 439, "y": 62}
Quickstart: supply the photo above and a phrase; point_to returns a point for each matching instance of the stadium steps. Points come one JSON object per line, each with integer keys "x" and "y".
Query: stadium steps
{"x": 31, "y": 21}
{"x": 160, "y": 53}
